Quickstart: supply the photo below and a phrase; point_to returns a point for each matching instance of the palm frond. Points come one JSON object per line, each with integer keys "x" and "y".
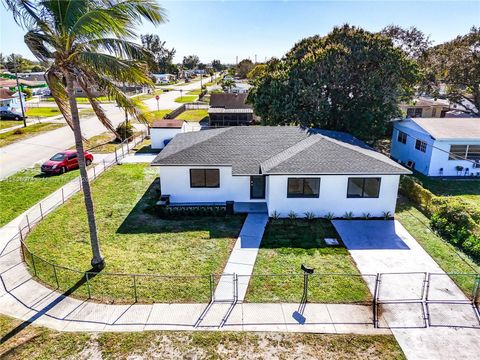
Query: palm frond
{"x": 25, "y": 12}
{"x": 37, "y": 43}
{"x": 121, "y": 48}
{"x": 59, "y": 94}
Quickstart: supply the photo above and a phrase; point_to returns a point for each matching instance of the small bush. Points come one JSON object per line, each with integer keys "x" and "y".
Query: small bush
{"x": 329, "y": 216}
{"x": 125, "y": 130}
{"x": 387, "y": 215}
{"x": 18, "y": 131}
{"x": 275, "y": 215}
{"x": 348, "y": 215}
{"x": 178, "y": 212}
{"x": 366, "y": 216}
{"x": 309, "y": 215}
{"x": 292, "y": 215}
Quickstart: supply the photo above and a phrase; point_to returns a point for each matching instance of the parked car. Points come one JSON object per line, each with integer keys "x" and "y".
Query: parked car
{"x": 10, "y": 115}
{"x": 64, "y": 161}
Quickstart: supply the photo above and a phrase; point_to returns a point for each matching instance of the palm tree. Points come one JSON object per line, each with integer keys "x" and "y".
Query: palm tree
{"x": 88, "y": 43}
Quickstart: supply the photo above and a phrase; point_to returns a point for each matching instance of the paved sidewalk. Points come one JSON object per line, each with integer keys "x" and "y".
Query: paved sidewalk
{"x": 452, "y": 330}
{"x": 242, "y": 258}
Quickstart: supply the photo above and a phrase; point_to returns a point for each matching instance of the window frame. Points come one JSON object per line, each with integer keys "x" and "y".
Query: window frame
{"x": 419, "y": 145}
{"x": 303, "y": 195}
{"x": 403, "y": 136}
{"x": 363, "y": 188}
{"x": 205, "y": 179}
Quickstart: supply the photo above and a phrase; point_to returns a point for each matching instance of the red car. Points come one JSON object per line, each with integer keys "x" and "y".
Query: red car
{"x": 63, "y": 161}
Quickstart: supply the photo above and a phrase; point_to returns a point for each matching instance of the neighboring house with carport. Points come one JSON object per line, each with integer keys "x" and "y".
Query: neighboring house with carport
{"x": 285, "y": 169}
{"x": 438, "y": 147}
{"x": 229, "y": 110}
{"x": 425, "y": 107}
{"x": 9, "y": 100}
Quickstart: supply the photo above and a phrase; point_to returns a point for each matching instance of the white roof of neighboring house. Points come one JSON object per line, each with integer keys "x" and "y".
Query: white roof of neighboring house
{"x": 426, "y": 102}
{"x": 448, "y": 128}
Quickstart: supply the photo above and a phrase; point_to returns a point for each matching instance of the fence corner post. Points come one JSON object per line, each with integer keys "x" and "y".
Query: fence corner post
{"x": 212, "y": 282}
{"x": 135, "y": 287}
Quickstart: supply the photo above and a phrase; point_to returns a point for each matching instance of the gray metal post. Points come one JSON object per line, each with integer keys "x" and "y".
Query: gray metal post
{"x": 33, "y": 264}
{"x": 116, "y": 158}
{"x": 28, "y": 223}
{"x": 41, "y": 211}
{"x": 135, "y": 287}
{"x": 94, "y": 173}
{"x": 104, "y": 167}
{"x": 63, "y": 196}
{"x": 375, "y": 299}
{"x": 212, "y": 282}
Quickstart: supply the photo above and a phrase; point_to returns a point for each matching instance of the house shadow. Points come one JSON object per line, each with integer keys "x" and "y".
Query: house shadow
{"x": 144, "y": 218}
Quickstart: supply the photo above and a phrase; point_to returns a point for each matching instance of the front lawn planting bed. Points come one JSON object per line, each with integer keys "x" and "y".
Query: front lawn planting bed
{"x": 134, "y": 240}
{"x": 36, "y": 342}
{"x": 286, "y": 245}
{"x": 5, "y": 124}
{"x": 186, "y": 98}
{"x": 450, "y": 258}
{"x": 12, "y": 136}
{"x": 42, "y": 111}
{"x": 193, "y": 115}
{"x": 24, "y": 189}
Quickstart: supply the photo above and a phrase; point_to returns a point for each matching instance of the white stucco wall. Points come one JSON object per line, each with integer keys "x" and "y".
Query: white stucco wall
{"x": 175, "y": 181}
{"x": 407, "y": 152}
{"x": 159, "y": 135}
{"x": 440, "y": 155}
{"x": 333, "y": 197}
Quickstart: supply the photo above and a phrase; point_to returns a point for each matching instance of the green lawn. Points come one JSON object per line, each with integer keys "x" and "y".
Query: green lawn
{"x": 84, "y": 100}
{"x": 286, "y": 245}
{"x": 134, "y": 240}
{"x": 156, "y": 115}
{"x": 450, "y": 258}
{"x": 5, "y": 124}
{"x": 24, "y": 189}
{"x": 144, "y": 97}
{"x": 193, "y": 115}
{"x": 103, "y": 143}
{"x": 468, "y": 190}
{"x": 35, "y": 342}
{"x": 42, "y": 111}
{"x": 11, "y": 136}
{"x": 194, "y": 92}
{"x": 186, "y": 98}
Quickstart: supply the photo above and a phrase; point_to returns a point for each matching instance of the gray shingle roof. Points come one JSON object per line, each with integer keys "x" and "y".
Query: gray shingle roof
{"x": 275, "y": 150}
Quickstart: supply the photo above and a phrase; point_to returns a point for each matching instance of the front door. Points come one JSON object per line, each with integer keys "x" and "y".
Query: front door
{"x": 257, "y": 187}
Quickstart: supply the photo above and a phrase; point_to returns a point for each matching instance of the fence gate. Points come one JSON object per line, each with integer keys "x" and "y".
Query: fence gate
{"x": 419, "y": 299}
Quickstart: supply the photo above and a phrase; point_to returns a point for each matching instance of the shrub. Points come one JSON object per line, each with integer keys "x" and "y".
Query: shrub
{"x": 329, "y": 216}
{"x": 412, "y": 188}
{"x": 348, "y": 215}
{"x": 275, "y": 215}
{"x": 366, "y": 216}
{"x": 18, "y": 131}
{"x": 292, "y": 215}
{"x": 309, "y": 215}
{"x": 125, "y": 130}
{"x": 177, "y": 212}
{"x": 387, "y": 215}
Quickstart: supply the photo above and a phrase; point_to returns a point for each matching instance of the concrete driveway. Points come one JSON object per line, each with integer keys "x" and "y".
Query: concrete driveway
{"x": 428, "y": 314}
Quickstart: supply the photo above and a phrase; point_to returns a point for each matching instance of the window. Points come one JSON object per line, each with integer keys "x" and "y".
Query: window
{"x": 457, "y": 152}
{"x": 303, "y": 188}
{"x": 363, "y": 187}
{"x": 469, "y": 152}
{"x": 204, "y": 178}
{"x": 72, "y": 156}
{"x": 421, "y": 145}
{"x": 414, "y": 112}
{"x": 434, "y": 112}
{"x": 402, "y": 137}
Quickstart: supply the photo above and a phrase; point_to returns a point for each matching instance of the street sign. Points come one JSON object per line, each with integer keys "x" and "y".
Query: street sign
{"x": 157, "y": 97}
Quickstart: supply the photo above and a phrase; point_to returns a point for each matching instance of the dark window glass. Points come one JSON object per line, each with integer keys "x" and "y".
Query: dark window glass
{"x": 205, "y": 178}
{"x": 420, "y": 145}
{"x": 473, "y": 152}
{"x": 363, "y": 187}
{"x": 457, "y": 152}
{"x": 402, "y": 137}
{"x": 414, "y": 112}
{"x": 303, "y": 187}
{"x": 72, "y": 156}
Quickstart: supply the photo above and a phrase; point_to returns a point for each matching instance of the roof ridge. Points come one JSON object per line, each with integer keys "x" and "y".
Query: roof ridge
{"x": 289, "y": 152}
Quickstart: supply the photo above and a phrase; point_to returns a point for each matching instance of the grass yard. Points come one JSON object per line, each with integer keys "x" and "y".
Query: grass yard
{"x": 12, "y": 136}
{"x": 144, "y": 97}
{"x": 194, "y": 92}
{"x": 156, "y": 115}
{"x": 24, "y": 189}
{"x": 194, "y": 115}
{"x": 5, "y": 124}
{"x": 447, "y": 256}
{"x": 286, "y": 245}
{"x": 84, "y": 100}
{"x": 134, "y": 240}
{"x": 42, "y": 111}
{"x": 468, "y": 190}
{"x": 36, "y": 342}
{"x": 186, "y": 99}
{"x": 103, "y": 143}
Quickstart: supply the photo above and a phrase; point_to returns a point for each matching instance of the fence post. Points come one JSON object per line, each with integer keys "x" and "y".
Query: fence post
{"x": 56, "y": 277}
{"x": 123, "y": 154}
{"x": 33, "y": 264}
{"x": 116, "y": 158}
{"x": 127, "y": 146}
{"x": 22, "y": 248}
{"x": 28, "y": 223}
{"x": 63, "y": 196}
{"x": 104, "y": 167}
{"x": 135, "y": 287}
{"x": 41, "y": 211}
{"x": 476, "y": 290}
{"x": 375, "y": 299}
{"x": 212, "y": 282}
{"x": 88, "y": 286}
{"x": 94, "y": 173}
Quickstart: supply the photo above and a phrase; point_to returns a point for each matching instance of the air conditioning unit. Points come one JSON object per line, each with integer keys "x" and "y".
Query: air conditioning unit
{"x": 410, "y": 164}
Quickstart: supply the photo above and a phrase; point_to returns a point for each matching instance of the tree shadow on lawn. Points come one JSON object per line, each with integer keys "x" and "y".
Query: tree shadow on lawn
{"x": 143, "y": 218}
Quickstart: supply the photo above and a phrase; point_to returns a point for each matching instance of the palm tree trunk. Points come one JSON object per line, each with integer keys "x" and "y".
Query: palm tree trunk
{"x": 97, "y": 260}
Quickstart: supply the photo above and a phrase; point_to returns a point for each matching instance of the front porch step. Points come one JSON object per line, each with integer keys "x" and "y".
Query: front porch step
{"x": 250, "y": 207}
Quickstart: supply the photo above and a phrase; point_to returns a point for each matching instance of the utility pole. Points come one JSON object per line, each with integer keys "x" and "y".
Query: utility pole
{"x": 19, "y": 92}
{"x": 236, "y": 61}
{"x": 126, "y": 113}
{"x": 255, "y": 58}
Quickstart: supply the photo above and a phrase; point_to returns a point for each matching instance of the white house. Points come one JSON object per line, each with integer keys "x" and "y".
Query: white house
{"x": 163, "y": 78}
{"x": 438, "y": 147}
{"x": 162, "y": 131}
{"x": 9, "y": 100}
{"x": 287, "y": 168}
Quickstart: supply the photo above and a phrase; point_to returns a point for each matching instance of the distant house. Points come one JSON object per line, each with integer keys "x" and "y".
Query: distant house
{"x": 425, "y": 107}
{"x": 286, "y": 168}
{"x": 9, "y": 100}
{"x": 229, "y": 110}
{"x": 438, "y": 147}
{"x": 162, "y": 131}
{"x": 163, "y": 78}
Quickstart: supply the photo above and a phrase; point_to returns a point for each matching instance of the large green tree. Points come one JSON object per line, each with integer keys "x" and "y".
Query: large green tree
{"x": 161, "y": 60}
{"x": 349, "y": 80}
{"x": 88, "y": 42}
{"x": 190, "y": 62}
{"x": 244, "y": 67}
{"x": 453, "y": 71}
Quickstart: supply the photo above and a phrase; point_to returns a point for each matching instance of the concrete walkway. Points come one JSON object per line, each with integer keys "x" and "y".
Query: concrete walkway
{"x": 433, "y": 322}
{"x": 242, "y": 259}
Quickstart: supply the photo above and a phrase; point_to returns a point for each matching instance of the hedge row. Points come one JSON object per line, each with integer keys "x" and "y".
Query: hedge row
{"x": 173, "y": 212}
{"x": 453, "y": 219}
